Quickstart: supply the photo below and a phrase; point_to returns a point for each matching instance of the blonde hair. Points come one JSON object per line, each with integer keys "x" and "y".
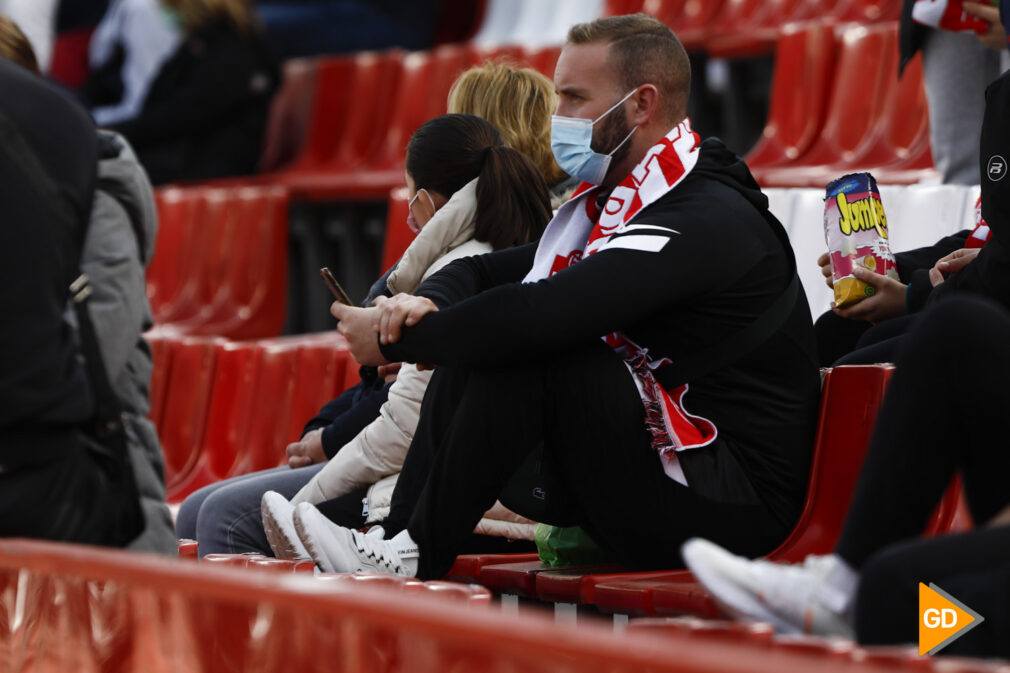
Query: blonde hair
{"x": 197, "y": 13}
{"x": 518, "y": 102}
{"x": 15, "y": 47}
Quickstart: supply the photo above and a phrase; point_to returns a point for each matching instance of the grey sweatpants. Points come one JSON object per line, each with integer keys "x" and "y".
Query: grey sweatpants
{"x": 957, "y": 68}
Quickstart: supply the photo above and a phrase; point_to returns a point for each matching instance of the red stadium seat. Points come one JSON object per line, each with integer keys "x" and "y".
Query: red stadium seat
{"x": 864, "y": 77}
{"x": 618, "y": 7}
{"x": 467, "y": 567}
{"x": 849, "y": 404}
{"x": 745, "y": 28}
{"x": 170, "y": 272}
{"x": 398, "y": 234}
{"x": 479, "y": 53}
{"x": 693, "y": 24}
{"x": 250, "y": 298}
{"x": 804, "y": 68}
{"x": 290, "y": 115}
{"x": 161, "y": 350}
{"x": 187, "y": 402}
{"x": 867, "y": 11}
{"x": 543, "y": 59}
{"x": 322, "y": 365}
{"x": 229, "y": 415}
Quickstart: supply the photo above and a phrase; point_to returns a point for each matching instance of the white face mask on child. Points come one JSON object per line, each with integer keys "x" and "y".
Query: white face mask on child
{"x": 411, "y": 220}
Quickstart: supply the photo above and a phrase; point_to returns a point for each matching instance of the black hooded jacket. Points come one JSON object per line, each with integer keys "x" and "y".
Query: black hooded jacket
{"x": 721, "y": 270}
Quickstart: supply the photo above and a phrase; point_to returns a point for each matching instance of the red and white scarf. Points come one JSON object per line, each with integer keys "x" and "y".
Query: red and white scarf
{"x": 947, "y": 15}
{"x": 580, "y": 229}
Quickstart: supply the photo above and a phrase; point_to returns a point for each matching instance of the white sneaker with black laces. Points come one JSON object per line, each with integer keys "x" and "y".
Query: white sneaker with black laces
{"x": 337, "y": 549}
{"x": 279, "y": 526}
{"x": 810, "y": 598}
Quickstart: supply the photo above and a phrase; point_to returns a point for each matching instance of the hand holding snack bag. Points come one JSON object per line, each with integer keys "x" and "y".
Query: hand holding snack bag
{"x": 855, "y": 228}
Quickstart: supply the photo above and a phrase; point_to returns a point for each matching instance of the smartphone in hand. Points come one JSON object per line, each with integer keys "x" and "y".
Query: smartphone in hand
{"x": 331, "y": 282}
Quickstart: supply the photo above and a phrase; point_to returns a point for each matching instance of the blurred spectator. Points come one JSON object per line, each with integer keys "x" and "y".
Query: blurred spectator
{"x": 311, "y": 27}
{"x": 76, "y": 20}
{"x": 117, "y": 246}
{"x": 957, "y": 64}
{"x": 56, "y": 481}
{"x": 127, "y": 50}
{"x": 37, "y": 18}
{"x": 205, "y": 114}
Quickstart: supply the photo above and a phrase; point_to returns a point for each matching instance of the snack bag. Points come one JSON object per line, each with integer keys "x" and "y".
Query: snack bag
{"x": 855, "y": 228}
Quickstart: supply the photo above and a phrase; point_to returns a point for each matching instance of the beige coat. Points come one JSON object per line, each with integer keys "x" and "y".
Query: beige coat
{"x": 376, "y": 454}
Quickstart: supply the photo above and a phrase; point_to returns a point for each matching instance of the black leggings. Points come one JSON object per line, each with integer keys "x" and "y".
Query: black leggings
{"x": 478, "y": 426}
{"x": 943, "y": 414}
{"x": 972, "y": 567}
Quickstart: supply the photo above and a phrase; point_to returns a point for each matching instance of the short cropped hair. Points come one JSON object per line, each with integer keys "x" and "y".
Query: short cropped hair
{"x": 15, "y": 47}
{"x": 518, "y": 102}
{"x": 643, "y": 50}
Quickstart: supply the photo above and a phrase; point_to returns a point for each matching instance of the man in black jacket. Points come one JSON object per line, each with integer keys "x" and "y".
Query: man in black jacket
{"x": 654, "y": 342}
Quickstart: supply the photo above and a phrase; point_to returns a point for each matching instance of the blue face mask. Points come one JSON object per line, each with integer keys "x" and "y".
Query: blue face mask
{"x": 571, "y": 142}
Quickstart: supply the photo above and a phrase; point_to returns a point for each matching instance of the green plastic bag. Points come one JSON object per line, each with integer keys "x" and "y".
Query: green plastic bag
{"x": 570, "y": 546}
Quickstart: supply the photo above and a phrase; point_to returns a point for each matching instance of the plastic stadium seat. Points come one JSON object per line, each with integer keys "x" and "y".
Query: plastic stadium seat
{"x": 618, "y": 7}
{"x": 744, "y": 28}
{"x": 667, "y": 11}
{"x": 290, "y": 114}
{"x": 376, "y": 77}
{"x": 168, "y": 275}
{"x": 467, "y": 567}
{"x": 229, "y": 415}
{"x": 250, "y": 298}
{"x": 479, "y": 53}
{"x": 693, "y": 24}
{"x": 187, "y": 549}
{"x": 398, "y": 234}
{"x": 703, "y": 629}
{"x": 236, "y": 560}
{"x": 867, "y": 11}
{"x": 322, "y": 367}
{"x": 804, "y": 68}
{"x": 161, "y": 350}
{"x": 864, "y": 78}
{"x": 191, "y": 380}
{"x": 543, "y": 59}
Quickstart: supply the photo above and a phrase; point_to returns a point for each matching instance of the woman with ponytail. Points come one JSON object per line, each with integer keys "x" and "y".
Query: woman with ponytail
{"x": 469, "y": 195}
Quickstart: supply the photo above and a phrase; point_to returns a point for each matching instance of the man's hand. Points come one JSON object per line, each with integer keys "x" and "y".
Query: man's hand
{"x": 395, "y": 313}
{"x": 308, "y": 451}
{"x": 887, "y": 303}
{"x": 952, "y": 263}
{"x": 388, "y": 372}
{"x": 994, "y": 37}
{"x": 356, "y": 326}
{"x": 824, "y": 261}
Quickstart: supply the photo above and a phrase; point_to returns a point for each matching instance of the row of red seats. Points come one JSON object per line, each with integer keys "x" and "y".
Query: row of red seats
{"x": 72, "y": 607}
{"x": 351, "y": 116}
{"x": 850, "y": 401}
{"x": 220, "y": 262}
{"x": 837, "y": 106}
{"x": 743, "y": 28}
{"x": 225, "y": 408}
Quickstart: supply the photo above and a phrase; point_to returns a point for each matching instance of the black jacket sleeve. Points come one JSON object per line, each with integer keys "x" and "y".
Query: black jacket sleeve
{"x": 469, "y": 276}
{"x": 605, "y": 292}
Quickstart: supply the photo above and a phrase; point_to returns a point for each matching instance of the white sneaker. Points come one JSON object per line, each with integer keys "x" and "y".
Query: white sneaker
{"x": 809, "y": 598}
{"x": 279, "y": 525}
{"x": 337, "y": 549}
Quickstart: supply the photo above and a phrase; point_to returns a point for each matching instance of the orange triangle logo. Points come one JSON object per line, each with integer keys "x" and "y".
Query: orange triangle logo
{"x": 942, "y": 619}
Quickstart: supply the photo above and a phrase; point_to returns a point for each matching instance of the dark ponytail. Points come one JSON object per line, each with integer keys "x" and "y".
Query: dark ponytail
{"x": 513, "y": 201}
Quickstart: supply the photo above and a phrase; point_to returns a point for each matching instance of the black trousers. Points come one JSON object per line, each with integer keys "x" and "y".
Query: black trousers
{"x": 71, "y": 496}
{"x": 478, "y": 426}
{"x": 943, "y": 414}
{"x": 972, "y": 567}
